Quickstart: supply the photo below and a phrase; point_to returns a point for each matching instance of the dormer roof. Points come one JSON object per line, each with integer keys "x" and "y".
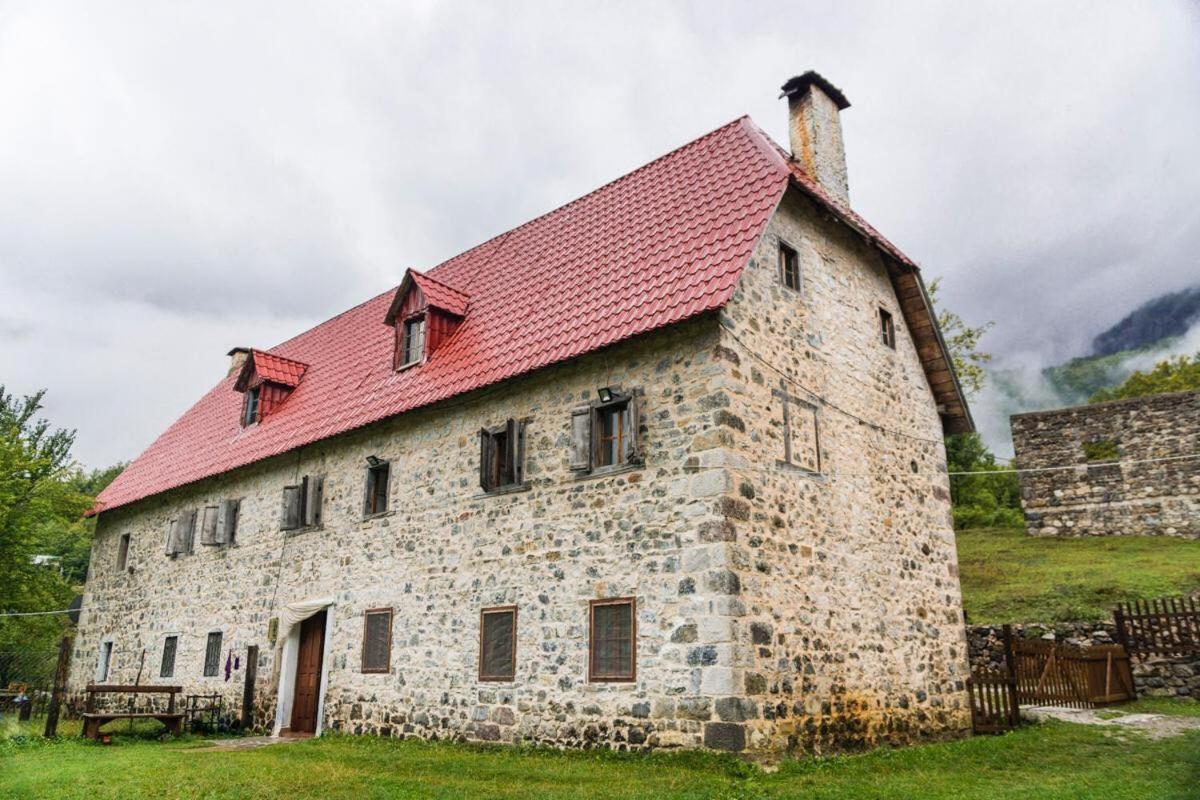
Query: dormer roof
{"x": 269, "y": 367}
{"x": 434, "y": 294}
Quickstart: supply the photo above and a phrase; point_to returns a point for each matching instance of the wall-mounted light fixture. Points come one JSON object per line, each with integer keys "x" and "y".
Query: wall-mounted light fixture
{"x": 607, "y": 394}
{"x": 373, "y": 461}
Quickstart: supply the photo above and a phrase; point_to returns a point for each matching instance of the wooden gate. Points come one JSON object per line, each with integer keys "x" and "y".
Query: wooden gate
{"x": 1165, "y": 627}
{"x": 1053, "y": 674}
{"x": 993, "y": 701}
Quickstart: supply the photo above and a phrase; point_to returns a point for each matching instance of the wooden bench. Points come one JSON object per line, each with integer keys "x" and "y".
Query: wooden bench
{"x": 93, "y": 719}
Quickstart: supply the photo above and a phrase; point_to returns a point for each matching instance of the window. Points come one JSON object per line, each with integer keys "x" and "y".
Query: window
{"x": 123, "y": 553}
{"x": 181, "y": 534}
{"x": 212, "y": 655}
{"x": 377, "y": 640}
{"x": 612, "y": 640}
{"x": 498, "y": 643}
{"x": 411, "y": 347}
{"x": 250, "y": 411}
{"x": 105, "y": 662}
{"x": 606, "y": 434}
{"x": 375, "y": 495}
{"x": 502, "y": 456}
{"x": 302, "y": 503}
{"x": 789, "y": 267}
{"x": 170, "y": 645}
{"x": 887, "y": 328}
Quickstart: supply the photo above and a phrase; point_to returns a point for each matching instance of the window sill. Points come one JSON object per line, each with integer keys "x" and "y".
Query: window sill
{"x": 299, "y": 531}
{"x": 503, "y": 490}
{"x": 409, "y": 365}
{"x": 606, "y": 472}
{"x": 790, "y": 467}
{"x": 379, "y": 515}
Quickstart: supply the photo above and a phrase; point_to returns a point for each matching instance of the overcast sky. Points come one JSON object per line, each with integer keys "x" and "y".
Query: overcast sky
{"x": 177, "y": 179}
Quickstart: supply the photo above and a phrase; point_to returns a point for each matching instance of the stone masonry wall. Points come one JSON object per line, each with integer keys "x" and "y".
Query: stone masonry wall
{"x": 445, "y": 552}
{"x": 1152, "y": 677}
{"x": 1159, "y": 498}
{"x": 850, "y": 619}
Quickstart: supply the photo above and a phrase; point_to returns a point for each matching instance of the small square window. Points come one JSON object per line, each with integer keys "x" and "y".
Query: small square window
{"x": 613, "y": 432}
{"x": 375, "y": 496}
{"x": 502, "y": 456}
{"x": 212, "y": 655}
{"x": 612, "y": 640}
{"x": 170, "y": 645}
{"x": 887, "y": 328}
{"x": 377, "y": 640}
{"x": 123, "y": 553}
{"x": 498, "y": 644}
{"x": 789, "y": 267}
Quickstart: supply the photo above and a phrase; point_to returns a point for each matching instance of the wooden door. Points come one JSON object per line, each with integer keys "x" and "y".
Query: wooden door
{"x": 308, "y": 674}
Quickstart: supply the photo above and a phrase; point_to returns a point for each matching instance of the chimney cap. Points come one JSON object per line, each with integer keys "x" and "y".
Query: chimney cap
{"x": 238, "y": 350}
{"x": 800, "y": 84}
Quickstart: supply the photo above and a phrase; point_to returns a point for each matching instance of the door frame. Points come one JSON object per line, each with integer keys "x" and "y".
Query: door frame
{"x": 289, "y": 661}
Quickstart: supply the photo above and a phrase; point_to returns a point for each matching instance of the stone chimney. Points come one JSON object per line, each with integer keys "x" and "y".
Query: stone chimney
{"x": 237, "y": 357}
{"x": 815, "y": 131}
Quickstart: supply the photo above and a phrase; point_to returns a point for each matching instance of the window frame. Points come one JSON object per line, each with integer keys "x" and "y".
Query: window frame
{"x": 208, "y": 641}
{"x": 387, "y": 662}
{"x": 371, "y": 489}
{"x": 618, "y": 411}
{"x": 163, "y": 672}
{"x": 251, "y": 410}
{"x": 887, "y": 327}
{"x": 789, "y": 257}
{"x": 405, "y": 339}
{"x": 631, "y": 677}
{"x": 123, "y": 546}
{"x": 502, "y": 469}
{"x": 483, "y": 612}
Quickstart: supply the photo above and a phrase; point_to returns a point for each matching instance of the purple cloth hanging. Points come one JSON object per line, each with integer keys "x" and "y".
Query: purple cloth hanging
{"x": 228, "y": 664}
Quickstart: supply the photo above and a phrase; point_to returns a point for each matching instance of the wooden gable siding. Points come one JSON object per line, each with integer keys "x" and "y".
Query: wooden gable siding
{"x": 439, "y": 325}
{"x": 271, "y": 396}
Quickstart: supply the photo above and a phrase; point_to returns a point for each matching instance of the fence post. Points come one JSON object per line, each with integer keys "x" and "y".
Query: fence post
{"x": 248, "y": 691}
{"x": 1010, "y": 662}
{"x": 1119, "y": 623}
{"x": 60, "y": 683}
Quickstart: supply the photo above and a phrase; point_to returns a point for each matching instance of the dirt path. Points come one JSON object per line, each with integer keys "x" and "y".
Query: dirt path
{"x": 1156, "y": 726}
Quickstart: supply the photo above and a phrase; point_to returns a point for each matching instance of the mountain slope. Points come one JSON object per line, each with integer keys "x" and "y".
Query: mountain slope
{"x": 1166, "y": 316}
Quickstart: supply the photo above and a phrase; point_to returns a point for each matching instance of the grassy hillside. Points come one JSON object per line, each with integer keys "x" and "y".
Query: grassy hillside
{"x": 1010, "y": 577}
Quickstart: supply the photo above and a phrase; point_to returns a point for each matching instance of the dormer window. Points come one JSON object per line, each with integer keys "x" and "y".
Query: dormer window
{"x": 250, "y": 414}
{"x": 410, "y": 349}
{"x": 265, "y": 381}
{"x": 425, "y": 313}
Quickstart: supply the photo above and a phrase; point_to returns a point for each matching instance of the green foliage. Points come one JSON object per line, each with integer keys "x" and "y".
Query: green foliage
{"x": 1179, "y": 374}
{"x": 1054, "y": 761}
{"x": 1008, "y": 576}
{"x": 1100, "y": 450}
{"x": 42, "y": 499}
{"x": 963, "y": 342}
{"x": 988, "y": 500}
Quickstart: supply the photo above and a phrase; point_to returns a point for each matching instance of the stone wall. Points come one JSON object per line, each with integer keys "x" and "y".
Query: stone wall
{"x": 1099, "y": 497}
{"x": 780, "y": 605}
{"x": 1152, "y": 677}
{"x": 851, "y": 627}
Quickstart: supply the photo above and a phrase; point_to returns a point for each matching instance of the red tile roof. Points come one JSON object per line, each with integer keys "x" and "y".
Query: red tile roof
{"x": 270, "y": 367}
{"x": 440, "y": 295}
{"x": 662, "y": 244}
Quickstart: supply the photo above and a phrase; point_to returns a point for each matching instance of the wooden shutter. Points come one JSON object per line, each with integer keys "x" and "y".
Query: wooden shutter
{"x": 167, "y": 668}
{"x": 172, "y": 536}
{"x": 227, "y": 517}
{"x": 189, "y": 531}
{"x": 519, "y": 458}
{"x": 498, "y": 644}
{"x": 123, "y": 552}
{"x": 511, "y": 432}
{"x": 486, "y": 444}
{"x": 632, "y": 421}
{"x": 377, "y": 640}
{"x": 581, "y": 439}
{"x": 368, "y": 491}
{"x": 208, "y": 526}
{"x": 290, "y": 516}
{"x": 212, "y": 654}
{"x": 612, "y": 640}
{"x": 313, "y": 500}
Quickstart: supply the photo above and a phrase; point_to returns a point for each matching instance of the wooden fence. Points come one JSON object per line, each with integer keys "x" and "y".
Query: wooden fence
{"x": 1168, "y": 626}
{"x": 1048, "y": 673}
{"x": 993, "y": 701}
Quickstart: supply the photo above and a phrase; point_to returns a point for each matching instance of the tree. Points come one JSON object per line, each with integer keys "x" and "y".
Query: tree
{"x": 37, "y": 497}
{"x": 1179, "y": 374}
{"x": 963, "y": 343}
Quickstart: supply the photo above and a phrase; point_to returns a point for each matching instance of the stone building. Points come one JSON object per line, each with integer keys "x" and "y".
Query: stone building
{"x": 661, "y": 468}
{"x": 1131, "y": 467}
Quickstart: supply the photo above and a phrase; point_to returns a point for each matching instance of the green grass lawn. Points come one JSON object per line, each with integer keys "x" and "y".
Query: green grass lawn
{"x": 1010, "y": 577}
{"x": 1055, "y": 760}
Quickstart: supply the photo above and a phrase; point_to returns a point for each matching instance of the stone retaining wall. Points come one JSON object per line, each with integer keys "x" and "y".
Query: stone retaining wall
{"x": 1155, "y": 677}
